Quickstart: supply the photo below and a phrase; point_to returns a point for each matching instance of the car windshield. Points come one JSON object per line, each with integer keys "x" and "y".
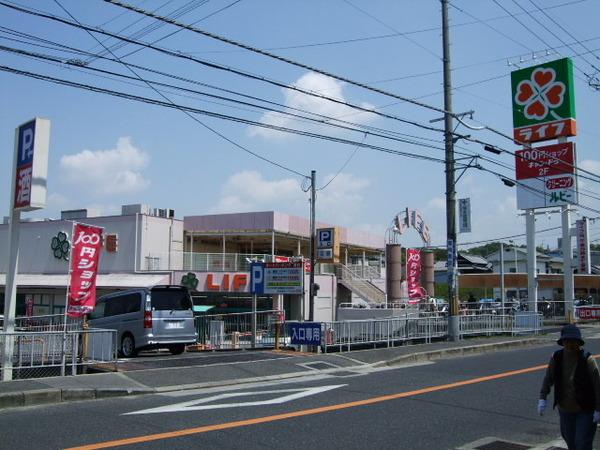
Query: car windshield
{"x": 164, "y": 299}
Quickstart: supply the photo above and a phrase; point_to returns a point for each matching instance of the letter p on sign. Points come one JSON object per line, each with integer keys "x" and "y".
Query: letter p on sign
{"x": 257, "y": 274}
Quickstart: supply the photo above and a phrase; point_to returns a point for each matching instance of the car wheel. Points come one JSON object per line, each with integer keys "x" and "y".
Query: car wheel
{"x": 177, "y": 349}
{"x": 128, "y": 346}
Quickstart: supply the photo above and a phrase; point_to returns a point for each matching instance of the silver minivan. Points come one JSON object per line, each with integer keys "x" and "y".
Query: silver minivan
{"x": 146, "y": 318}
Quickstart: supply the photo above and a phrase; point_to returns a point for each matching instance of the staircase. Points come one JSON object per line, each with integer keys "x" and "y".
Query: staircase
{"x": 359, "y": 286}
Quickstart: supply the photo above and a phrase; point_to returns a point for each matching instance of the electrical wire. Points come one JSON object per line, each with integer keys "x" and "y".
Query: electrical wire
{"x": 343, "y": 165}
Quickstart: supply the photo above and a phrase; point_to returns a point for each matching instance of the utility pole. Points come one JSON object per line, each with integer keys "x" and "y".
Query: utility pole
{"x": 453, "y": 330}
{"x": 311, "y": 292}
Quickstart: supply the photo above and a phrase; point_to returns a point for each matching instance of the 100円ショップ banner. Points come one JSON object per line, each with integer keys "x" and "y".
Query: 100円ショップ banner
{"x": 85, "y": 259}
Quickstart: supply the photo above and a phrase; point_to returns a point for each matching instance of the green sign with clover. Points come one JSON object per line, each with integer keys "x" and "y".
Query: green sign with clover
{"x": 190, "y": 281}
{"x": 543, "y": 101}
{"x": 61, "y": 246}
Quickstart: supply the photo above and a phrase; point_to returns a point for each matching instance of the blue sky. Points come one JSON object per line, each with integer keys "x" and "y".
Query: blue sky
{"x": 107, "y": 151}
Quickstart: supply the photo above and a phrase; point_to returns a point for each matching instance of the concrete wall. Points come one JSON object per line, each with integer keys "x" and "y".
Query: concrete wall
{"x": 156, "y": 236}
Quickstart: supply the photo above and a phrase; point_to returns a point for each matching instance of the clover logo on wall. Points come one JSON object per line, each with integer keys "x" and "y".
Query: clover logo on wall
{"x": 190, "y": 281}
{"x": 61, "y": 246}
{"x": 541, "y": 94}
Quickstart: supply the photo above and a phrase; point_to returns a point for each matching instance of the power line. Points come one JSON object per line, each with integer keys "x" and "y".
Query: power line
{"x": 221, "y": 135}
{"x": 219, "y": 116}
{"x": 273, "y": 56}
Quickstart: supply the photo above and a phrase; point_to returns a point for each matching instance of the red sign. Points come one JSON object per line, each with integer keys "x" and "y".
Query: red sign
{"x": 588, "y": 312}
{"x": 560, "y": 183}
{"x": 545, "y": 161}
{"x": 413, "y": 275}
{"x": 546, "y": 131}
{"x": 85, "y": 259}
{"x": 238, "y": 282}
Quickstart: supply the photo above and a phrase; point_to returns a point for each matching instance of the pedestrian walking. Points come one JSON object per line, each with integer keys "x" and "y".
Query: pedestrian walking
{"x": 574, "y": 374}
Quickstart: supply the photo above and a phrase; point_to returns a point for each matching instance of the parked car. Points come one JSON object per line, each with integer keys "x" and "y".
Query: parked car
{"x": 157, "y": 317}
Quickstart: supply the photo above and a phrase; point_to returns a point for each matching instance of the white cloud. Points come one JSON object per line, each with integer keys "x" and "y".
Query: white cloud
{"x": 591, "y": 165}
{"x": 340, "y": 203}
{"x": 107, "y": 172}
{"x": 249, "y": 191}
{"x": 319, "y": 84}
{"x": 437, "y": 203}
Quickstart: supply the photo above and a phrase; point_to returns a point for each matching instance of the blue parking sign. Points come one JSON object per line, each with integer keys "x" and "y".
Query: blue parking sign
{"x": 257, "y": 278}
{"x": 305, "y": 333}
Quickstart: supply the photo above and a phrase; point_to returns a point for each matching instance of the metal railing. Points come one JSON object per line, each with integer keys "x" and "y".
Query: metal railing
{"x": 51, "y": 322}
{"x": 359, "y": 286}
{"x": 204, "y": 262}
{"x": 234, "y": 331}
{"x": 390, "y": 332}
{"x": 38, "y": 354}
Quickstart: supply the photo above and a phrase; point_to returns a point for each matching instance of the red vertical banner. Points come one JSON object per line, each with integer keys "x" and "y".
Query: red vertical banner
{"x": 413, "y": 275}
{"x": 85, "y": 259}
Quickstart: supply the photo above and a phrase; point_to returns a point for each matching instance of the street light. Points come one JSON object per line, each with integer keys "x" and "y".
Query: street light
{"x": 508, "y": 182}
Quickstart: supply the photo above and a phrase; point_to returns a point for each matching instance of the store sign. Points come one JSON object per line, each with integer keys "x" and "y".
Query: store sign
{"x": 582, "y": 230}
{"x": 85, "y": 259}
{"x": 413, "y": 275}
{"x": 464, "y": 215}
{"x": 543, "y": 101}
{"x": 587, "y": 312}
{"x": 546, "y": 176}
{"x": 32, "y": 140}
{"x": 277, "y": 278}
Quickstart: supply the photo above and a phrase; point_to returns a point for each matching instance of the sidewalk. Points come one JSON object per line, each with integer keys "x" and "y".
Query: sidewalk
{"x": 287, "y": 365}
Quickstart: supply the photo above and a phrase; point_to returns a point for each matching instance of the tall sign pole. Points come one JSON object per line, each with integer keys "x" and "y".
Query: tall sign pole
{"x": 453, "y": 330}
{"x": 544, "y": 109}
{"x": 311, "y": 292}
{"x": 28, "y": 193}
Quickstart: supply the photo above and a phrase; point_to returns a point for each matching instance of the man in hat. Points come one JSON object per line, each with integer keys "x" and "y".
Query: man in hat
{"x": 574, "y": 375}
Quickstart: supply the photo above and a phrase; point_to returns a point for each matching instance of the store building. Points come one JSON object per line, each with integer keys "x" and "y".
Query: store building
{"x": 210, "y": 254}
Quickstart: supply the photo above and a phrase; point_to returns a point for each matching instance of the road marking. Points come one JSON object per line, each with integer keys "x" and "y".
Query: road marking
{"x": 304, "y": 412}
{"x": 200, "y": 404}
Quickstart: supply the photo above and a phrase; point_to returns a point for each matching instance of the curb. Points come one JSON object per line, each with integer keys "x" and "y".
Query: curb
{"x": 461, "y": 351}
{"x": 53, "y": 396}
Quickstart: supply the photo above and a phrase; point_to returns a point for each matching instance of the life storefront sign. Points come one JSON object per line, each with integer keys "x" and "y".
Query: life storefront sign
{"x": 546, "y": 176}
{"x": 543, "y": 102}
{"x": 277, "y": 278}
{"x": 32, "y": 140}
{"x": 85, "y": 259}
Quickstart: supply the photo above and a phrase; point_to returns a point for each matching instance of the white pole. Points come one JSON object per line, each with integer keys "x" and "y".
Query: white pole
{"x": 502, "y": 287}
{"x": 531, "y": 260}
{"x": 10, "y": 294}
{"x": 64, "y": 347}
{"x": 568, "y": 287}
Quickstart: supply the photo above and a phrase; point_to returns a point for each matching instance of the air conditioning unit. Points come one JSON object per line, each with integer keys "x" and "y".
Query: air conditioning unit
{"x": 171, "y": 213}
{"x": 162, "y": 213}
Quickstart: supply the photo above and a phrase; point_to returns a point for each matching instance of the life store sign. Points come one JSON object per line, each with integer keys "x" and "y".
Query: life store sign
{"x": 546, "y": 176}
{"x": 543, "y": 102}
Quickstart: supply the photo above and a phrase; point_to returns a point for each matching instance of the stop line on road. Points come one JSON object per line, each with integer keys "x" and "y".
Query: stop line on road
{"x": 201, "y": 404}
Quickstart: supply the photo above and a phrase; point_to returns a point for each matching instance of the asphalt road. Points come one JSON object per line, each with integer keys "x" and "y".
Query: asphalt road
{"x": 443, "y": 405}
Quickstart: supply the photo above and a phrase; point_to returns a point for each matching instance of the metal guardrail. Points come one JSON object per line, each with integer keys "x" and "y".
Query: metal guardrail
{"x": 234, "y": 331}
{"x": 396, "y": 331}
{"x": 38, "y": 354}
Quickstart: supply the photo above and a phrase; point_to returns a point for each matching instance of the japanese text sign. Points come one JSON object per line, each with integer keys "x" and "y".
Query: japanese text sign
{"x": 413, "y": 275}
{"x": 546, "y": 176}
{"x": 31, "y": 165}
{"x": 305, "y": 333}
{"x": 583, "y": 254}
{"x": 543, "y": 101}
{"x": 464, "y": 215}
{"x": 277, "y": 278}
{"x": 85, "y": 259}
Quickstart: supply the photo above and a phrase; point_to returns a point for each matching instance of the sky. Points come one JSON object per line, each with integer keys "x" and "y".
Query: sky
{"x": 224, "y": 156}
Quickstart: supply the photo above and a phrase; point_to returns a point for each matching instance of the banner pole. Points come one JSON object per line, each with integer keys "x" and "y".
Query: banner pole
{"x": 64, "y": 346}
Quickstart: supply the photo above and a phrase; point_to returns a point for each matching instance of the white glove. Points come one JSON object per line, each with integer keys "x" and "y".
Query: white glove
{"x": 596, "y": 416}
{"x": 542, "y": 408}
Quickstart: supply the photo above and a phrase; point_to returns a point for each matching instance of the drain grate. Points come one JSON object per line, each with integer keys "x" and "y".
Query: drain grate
{"x": 502, "y": 445}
